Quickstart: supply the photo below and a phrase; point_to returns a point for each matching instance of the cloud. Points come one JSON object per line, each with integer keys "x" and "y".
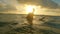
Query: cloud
{"x": 48, "y": 4}
{"x": 43, "y": 3}
{"x": 5, "y": 6}
{"x": 36, "y": 2}
{"x": 11, "y": 5}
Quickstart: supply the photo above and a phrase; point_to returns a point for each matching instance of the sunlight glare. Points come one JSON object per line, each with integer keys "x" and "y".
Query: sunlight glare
{"x": 29, "y": 8}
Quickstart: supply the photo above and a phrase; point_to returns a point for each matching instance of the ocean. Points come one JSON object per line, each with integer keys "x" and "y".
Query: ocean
{"x": 17, "y": 24}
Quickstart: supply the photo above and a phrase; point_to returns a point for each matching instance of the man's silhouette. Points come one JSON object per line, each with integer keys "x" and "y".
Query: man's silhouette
{"x": 30, "y": 17}
{"x": 30, "y": 20}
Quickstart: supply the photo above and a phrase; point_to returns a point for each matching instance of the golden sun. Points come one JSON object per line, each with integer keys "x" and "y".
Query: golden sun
{"x": 29, "y": 8}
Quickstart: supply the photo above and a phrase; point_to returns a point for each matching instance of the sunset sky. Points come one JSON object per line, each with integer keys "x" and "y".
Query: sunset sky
{"x": 46, "y": 7}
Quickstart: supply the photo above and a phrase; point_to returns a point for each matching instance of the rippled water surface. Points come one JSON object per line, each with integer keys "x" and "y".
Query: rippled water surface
{"x": 17, "y": 24}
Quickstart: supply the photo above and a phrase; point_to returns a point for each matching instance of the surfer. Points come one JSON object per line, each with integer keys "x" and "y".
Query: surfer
{"x": 30, "y": 17}
{"x": 30, "y": 21}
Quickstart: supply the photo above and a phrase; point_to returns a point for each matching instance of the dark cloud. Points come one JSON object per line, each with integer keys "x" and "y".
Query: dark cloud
{"x": 43, "y": 3}
{"x": 6, "y": 7}
{"x": 48, "y": 4}
{"x": 36, "y": 2}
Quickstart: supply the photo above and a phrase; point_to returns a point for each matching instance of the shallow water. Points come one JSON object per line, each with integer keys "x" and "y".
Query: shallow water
{"x": 17, "y": 24}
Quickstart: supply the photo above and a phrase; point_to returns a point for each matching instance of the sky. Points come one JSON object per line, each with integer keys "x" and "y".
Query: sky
{"x": 17, "y": 6}
{"x": 57, "y": 1}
